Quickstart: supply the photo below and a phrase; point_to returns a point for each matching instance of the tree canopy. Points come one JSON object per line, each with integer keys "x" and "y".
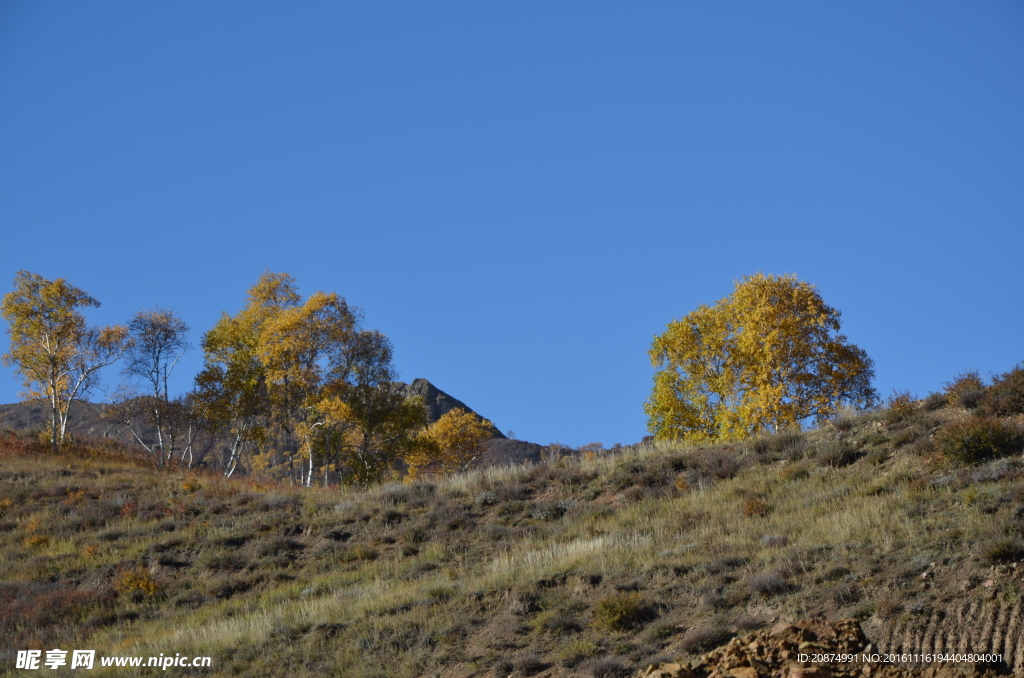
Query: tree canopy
{"x": 299, "y": 385}
{"x": 54, "y": 350}
{"x": 449, "y": 445}
{"x": 765, "y": 358}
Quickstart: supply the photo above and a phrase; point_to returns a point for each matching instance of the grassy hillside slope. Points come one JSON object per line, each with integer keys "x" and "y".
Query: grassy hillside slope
{"x": 589, "y": 567}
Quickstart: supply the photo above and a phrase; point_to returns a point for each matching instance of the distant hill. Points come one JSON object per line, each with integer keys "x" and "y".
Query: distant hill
{"x": 87, "y": 419}
{"x": 501, "y": 450}
{"x": 438, "y": 402}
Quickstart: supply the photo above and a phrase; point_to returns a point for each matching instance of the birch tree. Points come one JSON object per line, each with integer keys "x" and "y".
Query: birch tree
{"x": 57, "y": 354}
{"x": 450, "y": 445}
{"x": 162, "y": 425}
{"x": 300, "y": 386}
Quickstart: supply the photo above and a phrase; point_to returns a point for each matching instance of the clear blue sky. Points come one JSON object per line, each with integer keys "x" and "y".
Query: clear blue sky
{"x": 521, "y": 194}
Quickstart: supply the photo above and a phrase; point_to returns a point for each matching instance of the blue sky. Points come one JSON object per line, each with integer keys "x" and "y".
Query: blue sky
{"x": 520, "y": 195}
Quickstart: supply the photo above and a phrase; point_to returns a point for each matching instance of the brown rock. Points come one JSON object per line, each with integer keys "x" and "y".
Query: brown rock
{"x": 782, "y": 629}
{"x": 809, "y": 672}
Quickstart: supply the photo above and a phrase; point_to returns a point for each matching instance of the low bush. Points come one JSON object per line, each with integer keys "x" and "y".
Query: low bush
{"x": 794, "y": 472}
{"x": 609, "y": 667}
{"x": 935, "y": 401}
{"x": 836, "y": 453}
{"x": 704, "y": 638}
{"x": 963, "y": 383}
{"x": 134, "y": 581}
{"x": 1004, "y": 551}
{"x": 551, "y": 510}
{"x": 621, "y": 612}
{"x": 786, "y": 441}
{"x": 556, "y": 624}
{"x": 486, "y": 499}
{"x": 901, "y": 405}
{"x": 530, "y": 664}
{"x": 1005, "y": 397}
{"x": 721, "y": 462}
{"x": 756, "y": 507}
{"x": 768, "y": 584}
{"x": 978, "y": 439}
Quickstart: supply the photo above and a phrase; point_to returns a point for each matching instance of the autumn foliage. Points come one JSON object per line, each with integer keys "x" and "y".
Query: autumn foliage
{"x": 765, "y": 358}
{"x": 298, "y": 386}
{"x": 55, "y": 352}
{"x": 449, "y": 445}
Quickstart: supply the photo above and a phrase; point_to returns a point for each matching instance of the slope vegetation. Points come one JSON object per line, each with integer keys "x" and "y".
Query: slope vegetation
{"x": 596, "y": 567}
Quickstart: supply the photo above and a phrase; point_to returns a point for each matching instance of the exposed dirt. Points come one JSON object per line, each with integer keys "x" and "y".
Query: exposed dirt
{"x": 787, "y": 651}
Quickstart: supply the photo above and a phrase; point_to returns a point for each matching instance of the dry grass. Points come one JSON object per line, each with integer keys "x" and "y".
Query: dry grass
{"x": 565, "y": 568}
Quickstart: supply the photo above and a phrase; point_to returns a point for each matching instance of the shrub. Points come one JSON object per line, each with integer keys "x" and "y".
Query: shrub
{"x": 961, "y": 384}
{"x": 572, "y": 652}
{"x": 901, "y": 406}
{"x": 794, "y": 472}
{"x": 843, "y": 422}
{"x": 551, "y": 510}
{"x": 768, "y": 584}
{"x": 786, "y": 442}
{"x": 530, "y": 664}
{"x": 756, "y": 507}
{"x": 136, "y": 580}
{"x": 279, "y": 547}
{"x": 1004, "y": 551}
{"x": 1005, "y": 397}
{"x": 704, "y": 638}
{"x": 935, "y": 401}
{"x": 978, "y": 439}
{"x": 609, "y": 667}
{"x": 634, "y": 494}
{"x": 36, "y": 541}
{"x": 621, "y": 612}
{"x": 556, "y": 624}
{"x": 970, "y": 400}
{"x": 721, "y": 462}
{"x": 836, "y": 453}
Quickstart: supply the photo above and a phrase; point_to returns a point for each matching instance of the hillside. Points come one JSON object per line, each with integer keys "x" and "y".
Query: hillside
{"x": 573, "y": 567}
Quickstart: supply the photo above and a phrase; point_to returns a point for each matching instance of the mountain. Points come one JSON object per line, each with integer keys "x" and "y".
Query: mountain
{"x": 501, "y": 450}
{"x": 438, "y": 402}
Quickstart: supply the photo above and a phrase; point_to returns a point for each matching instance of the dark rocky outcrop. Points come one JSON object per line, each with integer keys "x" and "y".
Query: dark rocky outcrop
{"x": 437, "y": 401}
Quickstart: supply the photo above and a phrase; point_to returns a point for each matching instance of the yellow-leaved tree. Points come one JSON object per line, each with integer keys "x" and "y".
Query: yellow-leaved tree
{"x": 449, "y": 445}
{"x": 766, "y": 358}
{"x": 53, "y": 349}
{"x": 301, "y": 388}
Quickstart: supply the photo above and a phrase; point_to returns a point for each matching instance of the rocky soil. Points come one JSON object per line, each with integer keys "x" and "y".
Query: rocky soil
{"x": 786, "y": 650}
